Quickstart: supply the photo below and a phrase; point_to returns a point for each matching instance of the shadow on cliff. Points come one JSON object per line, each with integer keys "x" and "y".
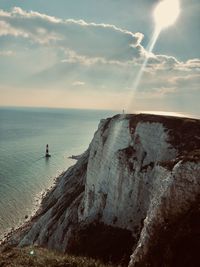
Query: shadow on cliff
{"x": 176, "y": 244}
{"x": 99, "y": 241}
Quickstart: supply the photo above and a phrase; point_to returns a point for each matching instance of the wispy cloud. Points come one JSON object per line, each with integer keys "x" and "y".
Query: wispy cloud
{"x": 78, "y": 83}
{"x": 7, "y": 53}
{"x": 86, "y": 43}
{"x": 89, "y": 39}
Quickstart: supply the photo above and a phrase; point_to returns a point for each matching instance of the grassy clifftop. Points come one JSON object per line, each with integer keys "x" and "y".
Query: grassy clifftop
{"x": 39, "y": 257}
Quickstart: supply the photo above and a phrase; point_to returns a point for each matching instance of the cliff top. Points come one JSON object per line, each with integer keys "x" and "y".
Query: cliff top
{"x": 184, "y": 133}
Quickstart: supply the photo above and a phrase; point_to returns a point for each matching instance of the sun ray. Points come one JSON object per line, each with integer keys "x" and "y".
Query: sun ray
{"x": 162, "y": 20}
{"x": 138, "y": 78}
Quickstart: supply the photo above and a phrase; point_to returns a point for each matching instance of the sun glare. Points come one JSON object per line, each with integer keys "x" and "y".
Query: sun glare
{"x": 166, "y": 13}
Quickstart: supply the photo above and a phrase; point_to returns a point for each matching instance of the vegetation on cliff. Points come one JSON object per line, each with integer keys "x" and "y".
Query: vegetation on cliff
{"x": 40, "y": 257}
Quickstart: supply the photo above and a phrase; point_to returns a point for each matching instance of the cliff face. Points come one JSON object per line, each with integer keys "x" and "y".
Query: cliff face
{"x": 141, "y": 173}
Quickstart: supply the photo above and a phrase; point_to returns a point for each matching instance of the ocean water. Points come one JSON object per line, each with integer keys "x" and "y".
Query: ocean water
{"x": 24, "y": 171}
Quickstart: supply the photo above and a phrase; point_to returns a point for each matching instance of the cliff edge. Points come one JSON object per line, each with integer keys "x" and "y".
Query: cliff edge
{"x": 134, "y": 191}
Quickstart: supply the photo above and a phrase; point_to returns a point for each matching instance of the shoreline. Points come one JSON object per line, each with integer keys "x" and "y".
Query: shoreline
{"x": 12, "y": 236}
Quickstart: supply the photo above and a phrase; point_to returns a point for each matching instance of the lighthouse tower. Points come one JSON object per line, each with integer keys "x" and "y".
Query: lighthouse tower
{"x": 47, "y": 155}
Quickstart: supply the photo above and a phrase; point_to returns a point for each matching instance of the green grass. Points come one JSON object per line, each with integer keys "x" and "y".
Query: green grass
{"x": 32, "y": 257}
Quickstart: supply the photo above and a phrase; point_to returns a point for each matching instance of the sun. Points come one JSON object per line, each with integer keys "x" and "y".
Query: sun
{"x": 166, "y": 13}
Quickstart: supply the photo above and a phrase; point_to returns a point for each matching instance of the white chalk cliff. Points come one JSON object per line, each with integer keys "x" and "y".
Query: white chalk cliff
{"x": 140, "y": 173}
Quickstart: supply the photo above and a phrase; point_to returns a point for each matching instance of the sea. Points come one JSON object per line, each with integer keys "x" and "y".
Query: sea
{"x": 25, "y": 174}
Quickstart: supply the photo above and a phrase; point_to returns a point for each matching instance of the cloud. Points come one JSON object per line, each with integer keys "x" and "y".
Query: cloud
{"x": 89, "y": 39}
{"x": 160, "y": 92}
{"x": 162, "y": 62}
{"x": 77, "y": 53}
{"x": 193, "y": 63}
{"x": 87, "y": 43}
{"x": 188, "y": 82}
{"x": 78, "y": 83}
{"x": 4, "y": 13}
{"x": 190, "y": 65}
{"x": 7, "y": 53}
{"x": 7, "y": 29}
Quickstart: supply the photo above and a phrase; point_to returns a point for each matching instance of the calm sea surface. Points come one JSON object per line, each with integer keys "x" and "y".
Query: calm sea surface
{"x": 24, "y": 172}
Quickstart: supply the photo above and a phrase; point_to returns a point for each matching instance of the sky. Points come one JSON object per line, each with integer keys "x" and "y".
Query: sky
{"x": 88, "y": 54}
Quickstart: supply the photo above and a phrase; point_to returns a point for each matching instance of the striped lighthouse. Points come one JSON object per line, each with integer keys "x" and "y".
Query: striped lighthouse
{"x": 47, "y": 155}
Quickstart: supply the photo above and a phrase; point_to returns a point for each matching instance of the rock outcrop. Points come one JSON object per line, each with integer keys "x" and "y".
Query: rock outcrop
{"x": 141, "y": 173}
